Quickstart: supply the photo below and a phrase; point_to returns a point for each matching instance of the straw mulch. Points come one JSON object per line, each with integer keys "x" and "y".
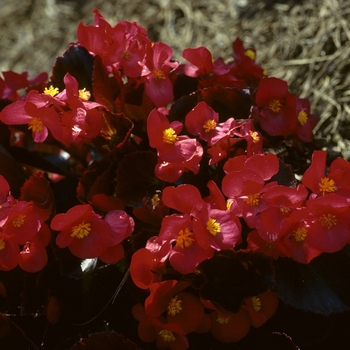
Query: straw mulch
{"x": 306, "y": 43}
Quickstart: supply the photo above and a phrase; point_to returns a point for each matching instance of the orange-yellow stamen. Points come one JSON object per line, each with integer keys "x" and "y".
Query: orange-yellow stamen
{"x": 82, "y": 230}
{"x": 174, "y": 306}
{"x": 184, "y": 240}
{"x": 36, "y": 125}
{"x": 300, "y": 234}
{"x": 209, "y": 125}
{"x": 213, "y": 227}
{"x": 255, "y": 136}
{"x": 256, "y": 304}
{"x": 223, "y": 320}
{"x": 328, "y": 220}
{"x": 275, "y": 106}
{"x": 302, "y": 117}
{"x": 155, "y": 200}
{"x": 84, "y": 94}
{"x": 327, "y": 185}
{"x": 158, "y": 74}
{"x": 167, "y": 335}
{"x": 285, "y": 210}
{"x": 51, "y": 91}
{"x": 252, "y": 199}
{"x": 18, "y": 221}
{"x": 169, "y": 136}
{"x": 126, "y": 55}
{"x": 2, "y": 244}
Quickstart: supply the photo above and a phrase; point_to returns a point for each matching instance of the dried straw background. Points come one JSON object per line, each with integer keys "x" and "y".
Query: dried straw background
{"x": 307, "y": 43}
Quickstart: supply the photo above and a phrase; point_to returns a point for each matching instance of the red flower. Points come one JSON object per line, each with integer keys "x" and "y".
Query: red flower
{"x": 156, "y": 68}
{"x": 85, "y": 233}
{"x": 305, "y": 122}
{"x": 201, "y": 61}
{"x": 277, "y": 107}
{"x": 261, "y": 307}
{"x": 9, "y": 253}
{"x": 33, "y": 256}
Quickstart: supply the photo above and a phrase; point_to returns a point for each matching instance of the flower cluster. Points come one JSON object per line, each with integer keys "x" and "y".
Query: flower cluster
{"x": 176, "y": 170}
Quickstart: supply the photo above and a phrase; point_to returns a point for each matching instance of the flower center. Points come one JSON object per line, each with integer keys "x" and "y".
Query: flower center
{"x": 126, "y": 55}
{"x": 169, "y": 136}
{"x": 209, "y": 125}
{"x": 155, "y": 200}
{"x": 2, "y": 244}
{"x": 80, "y": 231}
{"x": 252, "y": 199}
{"x": 300, "y": 234}
{"x": 51, "y": 91}
{"x": 174, "y": 306}
{"x": 223, "y": 320}
{"x": 18, "y": 221}
{"x": 255, "y": 136}
{"x": 327, "y": 185}
{"x": 36, "y": 125}
{"x": 284, "y": 210}
{"x": 84, "y": 94}
{"x": 302, "y": 117}
{"x": 328, "y": 220}
{"x": 256, "y": 304}
{"x": 275, "y": 106}
{"x": 184, "y": 240}
{"x": 167, "y": 335}
{"x": 158, "y": 74}
{"x": 213, "y": 227}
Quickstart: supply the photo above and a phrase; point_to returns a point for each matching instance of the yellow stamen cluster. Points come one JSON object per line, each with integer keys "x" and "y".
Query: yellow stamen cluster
{"x": 126, "y": 55}
{"x": 300, "y": 234}
{"x": 2, "y": 244}
{"x": 184, "y": 240}
{"x": 167, "y": 335}
{"x": 252, "y": 199}
{"x": 285, "y": 210}
{"x": 327, "y": 185}
{"x": 255, "y": 136}
{"x": 213, "y": 227}
{"x": 158, "y": 74}
{"x": 302, "y": 117}
{"x": 36, "y": 125}
{"x": 84, "y": 94}
{"x": 82, "y": 230}
{"x": 256, "y": 304}
{"x": 18, "y": 221}
{"x": 155, "y": 200}
{"x": 169, "y": 136}
{"x": 328, "y": 220}
{"x": 209, "y": 125}
{"x": 174, "y": 306}
{"x": 223, "y": 320}
{"x": 275, "y": 106}
{"x": 53, "y": 91}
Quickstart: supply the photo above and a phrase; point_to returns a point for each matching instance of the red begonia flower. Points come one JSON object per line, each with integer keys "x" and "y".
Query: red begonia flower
{"x": 201, "y": 61}
{"x": 295, "y": 240}
{"x": 146, "y": 268}
{"x": 231, "y": 328}
{"x": 202, "y": 121}
{"x": 330, "y": 231}
{"x": 261, "y": 307}
{"x": 158, "y": 86}
{"x": 257, "y": 244}
{"x": 22, "y": 223}
{"x": 121, "y": 225}
{"x": 112, "y": 254}
{"x": 215, "y": 228}
{"x": 186, "y": 253}
{"x": 305, "y": 122}
{"x": 33, "y": 256}
{"x": 85, "y": 233}
{"x": 163, "y": 136}
{"x": 277, "y": 107}
{"x": 9, "y": 254}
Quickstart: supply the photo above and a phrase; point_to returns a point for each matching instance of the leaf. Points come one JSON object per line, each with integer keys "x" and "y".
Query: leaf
{"x": 78, "y": 62}
{"x": 232, "y": 276}
{"x": 322, "y": 286}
